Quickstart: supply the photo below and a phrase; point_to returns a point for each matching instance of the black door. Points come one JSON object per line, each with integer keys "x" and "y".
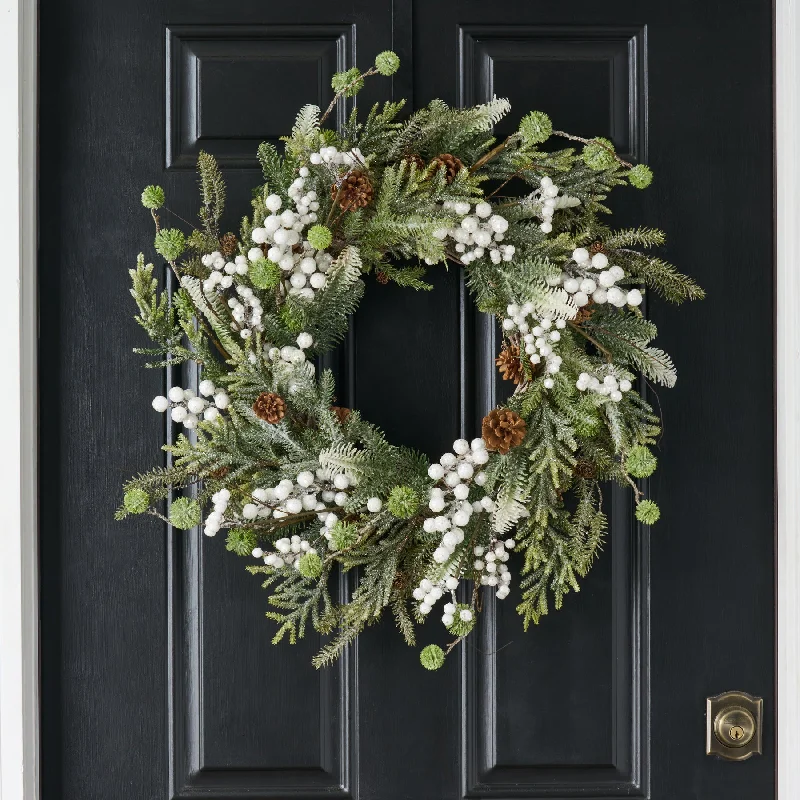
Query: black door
{"x": 159, "y": 680}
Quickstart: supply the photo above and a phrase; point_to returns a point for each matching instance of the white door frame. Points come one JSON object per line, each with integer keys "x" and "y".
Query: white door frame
{"x": 19, "y": 614}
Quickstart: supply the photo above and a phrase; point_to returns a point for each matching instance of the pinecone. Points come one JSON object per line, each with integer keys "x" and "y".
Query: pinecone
{"x": 596, "y": 247}
{"x": 270, "y": 407}
{"x": 452, "y": 165}
{"x": 355, "y": 191}
{"x": 509, "y": 364}
{"x": 503, "y": 429}
{"x": 584, "y": 469}
{"x": 228, "y": 244}
{"x": 342, "y": 414}
{"x": 413, "y": 158}
{"x": 218, "y": 474}
{"x": 381, "y": 277}
{"x": 584, "y": 313}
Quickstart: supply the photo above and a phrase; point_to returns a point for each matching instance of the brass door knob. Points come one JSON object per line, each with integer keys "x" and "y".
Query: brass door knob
{"x": 733, "y": 722}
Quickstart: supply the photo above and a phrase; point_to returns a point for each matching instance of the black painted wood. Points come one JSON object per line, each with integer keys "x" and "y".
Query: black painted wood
{"x": 158, "y": 679}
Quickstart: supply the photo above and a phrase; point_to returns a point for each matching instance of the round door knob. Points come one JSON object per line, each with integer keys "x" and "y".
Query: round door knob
{"x": 734, "y": 726}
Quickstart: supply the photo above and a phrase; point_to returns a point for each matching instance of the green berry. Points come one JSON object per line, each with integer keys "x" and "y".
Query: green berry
{"x": 348, "y": 83}
{"x": 264, "y": 274}
{"x": 647, "y": 512}
{"x": 640, "y": 176}
{"x": 461, "y": 627}
{"x": 641, "y": 463}
{"x": 432, "y": 657}
{"x": 153, "y": 197}
{"x": 403, "y": 502}
{"x": 170, "y": 243}
{"x": 599, "y": 154}
{"x": 136, "y": 501}
{"x": 310, "y": 565}
{"x": 184, "y": 513}
{"x": 387, "y": 63}
{"x": 343, "y": 535}
{"x": 319, "y": 237}
{"x": 535, "y": 127}
{"x": 241, "y": 541}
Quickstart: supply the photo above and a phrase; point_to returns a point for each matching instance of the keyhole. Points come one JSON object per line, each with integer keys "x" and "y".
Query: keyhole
{"x": 736, "y": 733}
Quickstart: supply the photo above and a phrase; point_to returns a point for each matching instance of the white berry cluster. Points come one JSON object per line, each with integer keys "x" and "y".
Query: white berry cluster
{"x": 582, "y": 283}
{"x": 429, "y": 592}
{"x": 187, "y": 406}
{"x": 540, "y": 336}
{"x": 289, "y": 552}
{"x": 549, "y": 202}
{"x": 246, "y": 311}
{"x": 308, "y": 492}
{"x": 610, "y": 386}
{"x": 490, "y": 563}
{"x": 478, "y": 234}
{"x": 215, "y": 519}
{"x": 304, "y": 267}
{"x": 330, "y": 156}
{"x": 222, "y": 272}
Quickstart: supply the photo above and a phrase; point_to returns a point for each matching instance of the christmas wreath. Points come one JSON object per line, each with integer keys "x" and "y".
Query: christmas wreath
{"x": 305, "y": 487}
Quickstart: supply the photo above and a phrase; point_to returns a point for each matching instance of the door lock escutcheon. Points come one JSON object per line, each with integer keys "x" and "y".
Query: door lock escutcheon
{"x": 733, "y": 725}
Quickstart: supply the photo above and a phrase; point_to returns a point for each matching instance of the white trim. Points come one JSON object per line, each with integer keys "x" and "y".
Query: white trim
{"x": 787, "y": 125}
{"x": 19, "y": 626}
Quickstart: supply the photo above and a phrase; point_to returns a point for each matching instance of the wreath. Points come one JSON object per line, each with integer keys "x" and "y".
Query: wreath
{"x": 305, "y": 487}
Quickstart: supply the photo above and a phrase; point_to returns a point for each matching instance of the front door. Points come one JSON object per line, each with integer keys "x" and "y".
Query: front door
{"x": 159, "y": 679}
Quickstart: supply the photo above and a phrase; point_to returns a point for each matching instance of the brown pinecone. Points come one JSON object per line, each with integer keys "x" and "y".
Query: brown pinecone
{"x": 584, "y": 313}
{"x": 228, "y": 244}
{"x": 342, "y": 414}
{"x": 419, "y": 161}
{"x": 270, "y": 407}
{"x": 503, "y": 429}
{"x": 452, "y": 165}
{"x": 509, "y": 364}
{"x": 381, "y": 277}
{"x": 596, "y": 247}
{"x": 584, "y": 469}
{"x": 218, "y": 474}
{"x": 355, "y": 192}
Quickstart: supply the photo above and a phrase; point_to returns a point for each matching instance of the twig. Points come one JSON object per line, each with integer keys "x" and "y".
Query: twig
{"x": 486, "y": 157}
{"x": 341, "y": 93}
{"x": 594, "y": 341}
{"x": 593, "y": 141}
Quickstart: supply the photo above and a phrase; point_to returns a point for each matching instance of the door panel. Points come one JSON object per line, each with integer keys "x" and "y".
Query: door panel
{"x": 159, "y": 679}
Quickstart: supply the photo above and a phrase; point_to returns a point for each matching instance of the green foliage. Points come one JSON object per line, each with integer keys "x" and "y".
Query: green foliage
{"x": 432, "y": 657}
{"x": 184, "y": 513}
{"x": 640, "y": 176}
{"x": 136, "y": 501}
{"x": 170, "y": 243}
{"x": 212, "y": 191}
{"x": 264, "y": 274}
{"x": 153, "y": 197}
{"x": 387, "y": 63}
{"x": 241, "y": 541}
{"x": 403, "y": 502}
{"x": 641, "y": 463}
{"x": 535, "y": 128}
{"x": 647, "y": 512}
{"x": 599, "y": 154}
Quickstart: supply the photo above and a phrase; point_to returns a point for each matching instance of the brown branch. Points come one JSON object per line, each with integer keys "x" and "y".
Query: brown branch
{"x": 486, "y": 157}
{"x": 338, "y": 96}
{"x": 594, "y": 341}
{"x": 593, "y": 141}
